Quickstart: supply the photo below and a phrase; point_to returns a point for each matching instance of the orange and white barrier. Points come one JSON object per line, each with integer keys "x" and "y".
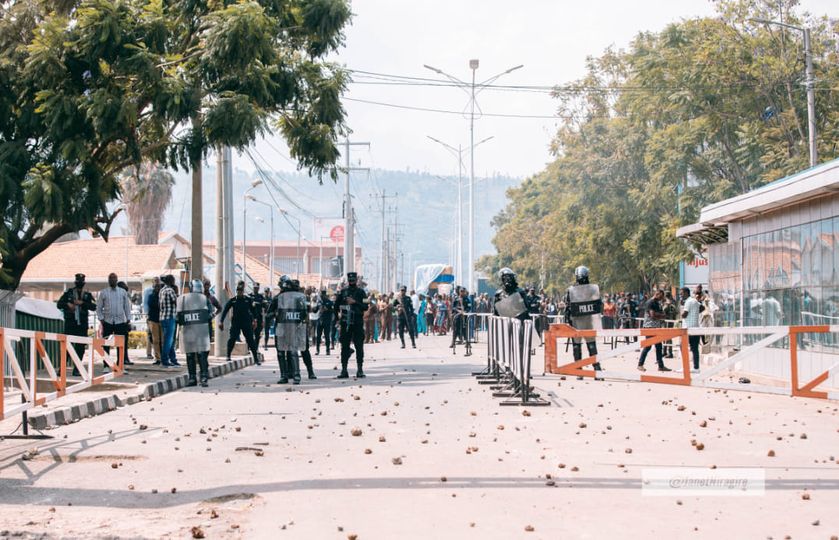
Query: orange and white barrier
{"x": 28, "y": 383}
{"x": 795, "y": 376}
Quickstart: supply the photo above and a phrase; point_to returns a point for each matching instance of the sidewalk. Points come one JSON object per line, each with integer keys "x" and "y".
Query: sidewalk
{"x": 141, "y": 381}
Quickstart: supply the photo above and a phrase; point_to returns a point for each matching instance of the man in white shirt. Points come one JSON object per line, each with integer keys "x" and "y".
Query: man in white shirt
{"x": 113, "y": 309}
{"x": 691, "y": 309}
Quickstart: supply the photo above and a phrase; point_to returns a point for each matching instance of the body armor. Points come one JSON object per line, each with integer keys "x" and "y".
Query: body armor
{"x": 291, "y": 321}
{"x": 510, "y": 305}
{"x": 194, "y": 316}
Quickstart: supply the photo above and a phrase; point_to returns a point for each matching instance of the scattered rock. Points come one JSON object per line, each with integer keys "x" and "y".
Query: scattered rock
{"x": 805, "y": 496}
{"x": 703, "y": 424}
{"x": 197, "y": 532}
{"x": 771, "y": 453}
{"x": 382, "y": 438}
{"x": 628, "y": 450}
{"x": 583, "y": 425}
{"x": 529, "y": 528}
{"x": 356, "y": 432}
{"x": 213, "y": 514}
{"x": 525, "y": 413}
{"x": 700, "y": 446}
{"x": 396, "y": 461}
{"x": 368, "y": 451}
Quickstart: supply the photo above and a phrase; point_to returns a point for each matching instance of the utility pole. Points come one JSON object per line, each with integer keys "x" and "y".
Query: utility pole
{"x": 221, "y": 252}
{"x": 349, "y": 216}
{"x": 197, "y": 233}
{"x": 383, "y": 263}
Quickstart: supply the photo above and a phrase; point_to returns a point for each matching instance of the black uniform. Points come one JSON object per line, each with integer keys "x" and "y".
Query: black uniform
{"x": 461, "y": 307}
{"x": 405, "y": 316}
{"x": 352, "y": 325}
{"x": 259, "y": 305}
{"x": 326, "y": 322}
{"x": 241, "y": 321}
{"x": 269, "y": 318}
{"x": 504, "y": 292}
{"x": 76, "y": 319}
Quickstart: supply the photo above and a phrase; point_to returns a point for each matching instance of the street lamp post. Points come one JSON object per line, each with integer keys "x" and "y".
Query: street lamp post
{"x": 473, "y": 89}
{"x": 810, "y": 84}
{"x": 271, "y": 256}
{"x": 254, "y": 185}
{"x": 286, "y": 215}
{"x": 458, "y": 153}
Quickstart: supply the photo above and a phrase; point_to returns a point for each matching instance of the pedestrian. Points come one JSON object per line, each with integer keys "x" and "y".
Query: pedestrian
{"x": 76, "y": 304}
{"x": 461, "y": 306}
{"x": 654, "y": 318}
{"x": 193, "y": 315}
{"x": 113, "y": 309}
{"x": 168, "y": 300}
{"x": 609, "y": 312}
{"x": 215, "y": 307}
{"x": 290, "y": 309}
{"x": 370, "y": 318}
{"x": 690, "y": 319}
{"x": 430, "y": 314}
{"x": 350, "y": 305}
{"x": 671, "y": 314}
{"x": 423, "y": 307}
{"x": 326, "y": 322}
{"x": 387, "y": 317}
{"x": 152, "y": 348}
{"x": 242, "y": 321}
{"x": 404, "y": 307}
{"x": 152, "y": 308}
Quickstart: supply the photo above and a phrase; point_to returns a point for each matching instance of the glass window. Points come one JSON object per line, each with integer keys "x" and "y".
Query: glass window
{"x": 795, "y": 255}
{"x": 826, "y": 249}
{"x": 806, "y": 255}
{"x": 835, "y": 249}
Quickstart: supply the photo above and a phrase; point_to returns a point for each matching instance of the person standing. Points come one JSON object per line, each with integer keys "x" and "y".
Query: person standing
{"x": 242, "y": 321}
{"x": 404, "y": 307}
{"x": 76, "y": 304}
{"x": 151, "y": 346}
{"x": 259, "y": 308}
{"x": 582, "y": 311}
{"x": 269, "y": 320}
{"x": 421, "y": 326}
{"x": 387, "y": 319}
{"x": 290, "y": 311}
{"x": 350, "y": 305}
{"x": 113, "y": 308}
{"x": 193, "y": 314}
{"x": 690, "y": 319}
{"x": 610, "y": 310}
{"x": 461, "y": 306}
{"x": 168, "y": 299}
{"x": 326, "y": 322}
{"x": 370, "y": 317}
{"x": 153, "y": 320}
{"x": 654, "y": 318}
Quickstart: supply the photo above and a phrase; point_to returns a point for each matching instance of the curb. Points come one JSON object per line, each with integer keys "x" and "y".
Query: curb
{"x": 102, "y": 405}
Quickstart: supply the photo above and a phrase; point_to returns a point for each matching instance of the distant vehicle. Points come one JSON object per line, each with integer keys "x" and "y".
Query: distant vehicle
{"x": 434, "y": 279}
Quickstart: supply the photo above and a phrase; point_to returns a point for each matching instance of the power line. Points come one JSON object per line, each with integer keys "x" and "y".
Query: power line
{"x": 460, "y": 113}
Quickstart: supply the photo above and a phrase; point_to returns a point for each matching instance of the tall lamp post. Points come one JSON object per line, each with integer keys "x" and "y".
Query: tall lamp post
{"x": 245, "y": 198}
{"x": 271, "y": 256}
{"x": 809, "y": 82}
{"x": 473, "y": 90}
{"x": 286, "y": 215}
{"x": 458, "y": 153}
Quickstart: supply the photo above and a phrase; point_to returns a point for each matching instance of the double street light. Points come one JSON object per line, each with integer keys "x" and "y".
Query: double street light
{"x": 809, "y": 82}
{"x": 286, "y": 215}
{"x": 271, "y": 257}
{"x": 458, "y": 153}
{"x": 255, "y": 184}
{"x": 473, "y": 90}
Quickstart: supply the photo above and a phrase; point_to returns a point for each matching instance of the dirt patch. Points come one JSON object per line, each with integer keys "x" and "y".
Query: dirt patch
{"x": 230, "y": 497}
{"x": 58, "y": 458}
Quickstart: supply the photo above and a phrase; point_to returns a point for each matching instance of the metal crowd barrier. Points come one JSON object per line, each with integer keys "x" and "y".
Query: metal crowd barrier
{"x": 27, "y": 383}
{"x": 778, "y": 356}
{"x": 509, "y": 354}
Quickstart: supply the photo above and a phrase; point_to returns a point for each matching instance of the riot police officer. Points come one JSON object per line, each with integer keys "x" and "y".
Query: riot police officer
{"x": 583, "y": 307}
{"x": 326, "y": 322}
{"x": 242, "y": 321}
{"x": 259, "y": 306}
{"x": 405, "y": 316}
{"x": 193, "y": 314}
{"x": 350, "y": 305}
{"x": 290, "y": 311}
{"x": 510, "y": 300}
{"x": 304, "y": 353}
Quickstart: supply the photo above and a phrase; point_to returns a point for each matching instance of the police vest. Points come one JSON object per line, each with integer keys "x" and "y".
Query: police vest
{"x": 584, "y": 300}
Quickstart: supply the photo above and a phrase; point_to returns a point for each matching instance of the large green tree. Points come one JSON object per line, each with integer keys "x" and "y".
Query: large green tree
{"x": 703, "y": 110}
{"x": 89, "y": 88}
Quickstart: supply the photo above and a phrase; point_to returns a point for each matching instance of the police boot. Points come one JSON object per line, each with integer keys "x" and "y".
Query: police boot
{"x": 204, "y": 366}
{"x": 281, "y": 359}
{"x": 344, "y": 374}
{"x": 360, "y": 373}
{"x": 592, "y": 351}
{"x": 307, "y": 359}
{"x": 578, "y": 355}
{"x": 295, "y": 367}
{"x": 190, "y": 368}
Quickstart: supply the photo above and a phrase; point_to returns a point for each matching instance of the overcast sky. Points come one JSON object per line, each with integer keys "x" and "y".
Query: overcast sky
{"x": 552, "y": 38}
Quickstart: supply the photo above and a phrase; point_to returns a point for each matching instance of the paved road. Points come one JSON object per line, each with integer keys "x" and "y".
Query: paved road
{"x": 436, "y": 457}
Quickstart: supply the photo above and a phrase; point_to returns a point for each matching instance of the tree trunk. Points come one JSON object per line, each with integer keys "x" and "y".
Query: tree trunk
{"x": 15, "y": 263}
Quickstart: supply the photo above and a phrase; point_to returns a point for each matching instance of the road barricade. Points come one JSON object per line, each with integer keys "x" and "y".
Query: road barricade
{"x": 11, "y": 366}
{"x": 509, "y": 355}
{"x": 782, "y": 358}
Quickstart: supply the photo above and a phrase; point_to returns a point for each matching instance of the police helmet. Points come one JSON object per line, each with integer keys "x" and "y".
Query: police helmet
{"x": 507, "y": 276}
{"x": 295, "y": 284}
{"x": 581, "y": 275}
{"x": 285, "y": 282}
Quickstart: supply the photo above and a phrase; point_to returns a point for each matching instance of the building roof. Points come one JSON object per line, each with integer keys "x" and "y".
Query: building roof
{"x": 256, "y": 269}
{"x": 96, "y": 259}
{"x": 808, "y": 184}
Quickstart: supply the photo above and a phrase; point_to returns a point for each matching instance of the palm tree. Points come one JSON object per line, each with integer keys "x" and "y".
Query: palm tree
{"x": 146, "y": 193}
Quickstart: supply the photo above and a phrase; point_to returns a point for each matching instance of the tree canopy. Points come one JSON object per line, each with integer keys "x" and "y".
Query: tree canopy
{"x": 703, "y": 110}
{"x": 89, "y": 88}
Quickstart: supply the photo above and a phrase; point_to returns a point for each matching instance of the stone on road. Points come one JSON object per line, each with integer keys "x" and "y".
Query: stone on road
{"x": 419, "y": 450}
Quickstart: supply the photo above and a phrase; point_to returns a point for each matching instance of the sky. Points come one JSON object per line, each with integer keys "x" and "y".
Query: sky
{"x": 550, "y": 38}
